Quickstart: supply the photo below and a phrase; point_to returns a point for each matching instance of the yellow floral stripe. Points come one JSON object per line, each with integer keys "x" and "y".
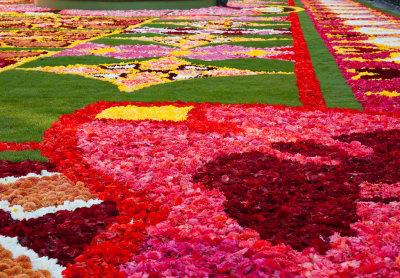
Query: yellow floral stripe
{"x": 137, "y": 113}
{"x": 384, "y": 93}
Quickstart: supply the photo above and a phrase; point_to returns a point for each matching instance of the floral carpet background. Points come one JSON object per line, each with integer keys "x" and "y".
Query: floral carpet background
{"x": 200, "y": 143}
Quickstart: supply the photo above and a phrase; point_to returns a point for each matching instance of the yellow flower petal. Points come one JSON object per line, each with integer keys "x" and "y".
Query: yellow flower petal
{"x": 137, "y": 113}
{"x": 384, "y": 93}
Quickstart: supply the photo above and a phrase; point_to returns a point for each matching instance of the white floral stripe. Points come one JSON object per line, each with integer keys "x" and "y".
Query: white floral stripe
{"x": 12, "y": 179}
{"x": 38, "y": 263}
{"x": 17, "y": 211}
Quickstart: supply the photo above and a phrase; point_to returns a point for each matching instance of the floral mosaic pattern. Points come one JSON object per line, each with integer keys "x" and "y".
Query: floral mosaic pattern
{"x": 190, "y": 41}
{"x": 47, "y": 38}
{"x": 226, "y": 18}
{"x": 210, "y": 11}
{"x": 275, "y": 9}
{"x": 51, "y": 30}
{"x": 188, "y": 31}
{"x": 79, "y": 26}
{"x": 365, "y": 44}
{"x": 22, "y": 8}
{"x": 187, "y": 189}
{"x": 55, "y": 21}
{"x": 10, "y": 59}
{"x": 54, "y": 206}
{"x": 36, "y": 233}
{"x": 116, "y": 13}
{"x": 8, "y": 2}
{"x": 202, "y": 178}
{"x": 208, "y": 53}
{"x": 220, "y": 11}
{"x": 133, "y": 76}
{"x": 218, "y": 24}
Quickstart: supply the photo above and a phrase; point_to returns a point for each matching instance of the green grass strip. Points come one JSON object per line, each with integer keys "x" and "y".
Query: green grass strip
{"x": 22, "y": 155}
{"x": 334, "y": 88}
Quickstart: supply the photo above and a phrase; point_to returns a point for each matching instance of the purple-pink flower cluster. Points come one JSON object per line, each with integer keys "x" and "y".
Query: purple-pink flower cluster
{"x": 208, "y": 53}
{"x": 211, "y": 11}
{"x": 23, "y": 8}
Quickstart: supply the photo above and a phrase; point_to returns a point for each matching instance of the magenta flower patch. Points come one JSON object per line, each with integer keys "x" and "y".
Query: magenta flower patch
{"x": 208, "y": 53}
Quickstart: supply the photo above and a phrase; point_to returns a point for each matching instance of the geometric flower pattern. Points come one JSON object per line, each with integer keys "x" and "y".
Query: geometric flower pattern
{"x": 60, "y": 220}
{"x": 221, "y": 175}
{"x": 207, "y": 53}
{"x": 55, "y": 21}
{"x": 7, "y": 2}
{"x": 227, "y": 31}
{"x": 8, "y": 7}
{"x": 136, "y": 75}
{"x": 186, "y": 42}
{"x": 217, "y": 24}
{"x": 36, "y": 213}
{"x": 225, "y": 18}
{"x": 47, "y": 38}
{"x": 11, "y": 59}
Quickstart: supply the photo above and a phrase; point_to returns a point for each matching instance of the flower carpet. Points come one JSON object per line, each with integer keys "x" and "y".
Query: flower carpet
{"x": 136, "y": 75}
{"x": 365, "y": 44}
{"x": 199, "y": 143}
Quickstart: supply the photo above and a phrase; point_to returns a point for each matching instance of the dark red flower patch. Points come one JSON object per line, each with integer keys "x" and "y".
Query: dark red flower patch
{"x": 383, "y": 165}
{"x": 302, "y": 205}
{"x": 4, "y": 63}
{"x": 379, "y": 73}
{"x": 62, "y": 235}
{"x": 286, "y": 202}
{"x": 18, "y": 169}
{"x": 308, "y": 148}
{"x": 5, "y": 219}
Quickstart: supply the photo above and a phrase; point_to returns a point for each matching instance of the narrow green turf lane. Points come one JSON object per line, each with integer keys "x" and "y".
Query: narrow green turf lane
{"x": 333, "y": 85}
{"x": 22, "y": 155}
